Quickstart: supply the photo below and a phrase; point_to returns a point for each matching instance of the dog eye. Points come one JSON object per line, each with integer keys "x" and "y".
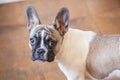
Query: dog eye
{"x": 33, "y": 40}
{"x": 52, "y": 43}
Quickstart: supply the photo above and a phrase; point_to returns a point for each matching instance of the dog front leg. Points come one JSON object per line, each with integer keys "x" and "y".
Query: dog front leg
{"x": 81, "y": 78}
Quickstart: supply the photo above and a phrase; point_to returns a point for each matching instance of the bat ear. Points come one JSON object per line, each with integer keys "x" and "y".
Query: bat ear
{"x": 61, "y": 21}
{"x": 32, "y": 17}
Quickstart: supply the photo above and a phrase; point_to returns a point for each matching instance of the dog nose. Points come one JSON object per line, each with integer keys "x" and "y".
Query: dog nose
{"x": 41, "y": 51}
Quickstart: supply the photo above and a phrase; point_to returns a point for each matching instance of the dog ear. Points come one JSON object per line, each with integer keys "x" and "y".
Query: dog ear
{"x": 32, "y": 17}
{"x": 61, "y": 21}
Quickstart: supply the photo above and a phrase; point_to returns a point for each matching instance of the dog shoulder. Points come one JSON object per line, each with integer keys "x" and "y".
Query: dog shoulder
{"x": 87, "y": 35}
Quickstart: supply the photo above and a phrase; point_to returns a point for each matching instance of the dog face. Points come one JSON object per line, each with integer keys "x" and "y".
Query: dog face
{"x": 44, "y": 40}
{"x": 42, "y": 44}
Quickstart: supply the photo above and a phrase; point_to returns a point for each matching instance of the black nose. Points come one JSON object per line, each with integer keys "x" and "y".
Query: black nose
{"x": 40, "y": 51}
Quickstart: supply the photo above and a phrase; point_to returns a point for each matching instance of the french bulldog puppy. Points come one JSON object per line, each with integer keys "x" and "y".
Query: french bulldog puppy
{"x": 81, "y": 55}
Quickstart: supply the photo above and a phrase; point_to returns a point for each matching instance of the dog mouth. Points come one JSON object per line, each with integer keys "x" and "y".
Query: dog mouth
{"x": 42, "y": 58}
{"x": 39, "y": 58}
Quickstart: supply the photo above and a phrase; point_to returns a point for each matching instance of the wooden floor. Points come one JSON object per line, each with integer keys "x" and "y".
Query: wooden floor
{"x": 101, "y": 16}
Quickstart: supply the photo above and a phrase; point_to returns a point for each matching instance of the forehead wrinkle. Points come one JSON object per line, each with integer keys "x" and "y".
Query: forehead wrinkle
{"x": 33, "y": 31}
{"x": 42, "y": 33}
{"x": 47, "y": 32}
{"x": 47, "y": 29}
{"x": 42, "y": 38}
{"x": 39, "y": 28}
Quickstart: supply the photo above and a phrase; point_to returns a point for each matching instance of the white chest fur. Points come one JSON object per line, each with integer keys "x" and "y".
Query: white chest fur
{"x": 71, "y": 75}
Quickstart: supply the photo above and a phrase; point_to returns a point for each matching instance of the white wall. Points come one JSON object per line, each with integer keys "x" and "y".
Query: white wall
{"x": 9, "y": 1}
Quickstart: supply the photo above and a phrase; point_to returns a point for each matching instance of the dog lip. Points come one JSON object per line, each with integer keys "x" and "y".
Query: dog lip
{"x": 39, "y": 60}
{"x": 33, "y": 58}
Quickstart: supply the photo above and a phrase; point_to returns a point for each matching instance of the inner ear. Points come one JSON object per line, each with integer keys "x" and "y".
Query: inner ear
{"x": 32, "y": 17}
{"x": 61, "y": 21}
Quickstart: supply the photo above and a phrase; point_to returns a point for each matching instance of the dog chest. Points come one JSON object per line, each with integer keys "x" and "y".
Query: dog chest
{"x": 70, "y": 74}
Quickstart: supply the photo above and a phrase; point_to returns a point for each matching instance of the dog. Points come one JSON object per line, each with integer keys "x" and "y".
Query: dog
{"x": 81, "y": 55}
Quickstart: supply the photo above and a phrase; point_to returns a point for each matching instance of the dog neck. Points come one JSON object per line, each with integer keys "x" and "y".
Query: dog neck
{"x": 75, "y": 43}
{"x": 70, "y": 42}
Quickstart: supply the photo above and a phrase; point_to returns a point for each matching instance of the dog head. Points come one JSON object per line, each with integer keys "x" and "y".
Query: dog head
{"x": 45, "y": 40}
